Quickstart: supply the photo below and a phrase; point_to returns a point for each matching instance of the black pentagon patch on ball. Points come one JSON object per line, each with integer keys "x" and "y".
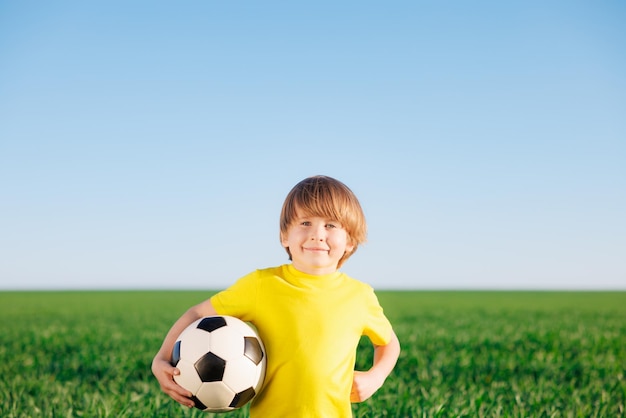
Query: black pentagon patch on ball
{"x": 210, "y": 367}
{"x": 175, "y": 354}
{"x": 252, "y": 350}
{"x": 242, "y": 398}
{"x": 197, "y": 403}
{"x": 212, "y": 323}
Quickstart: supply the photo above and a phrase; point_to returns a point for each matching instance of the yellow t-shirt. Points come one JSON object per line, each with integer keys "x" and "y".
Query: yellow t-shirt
{"x": 311, "y": 326}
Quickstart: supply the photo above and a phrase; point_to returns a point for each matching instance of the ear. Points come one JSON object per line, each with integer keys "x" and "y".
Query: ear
{"x": 283, "y": 240}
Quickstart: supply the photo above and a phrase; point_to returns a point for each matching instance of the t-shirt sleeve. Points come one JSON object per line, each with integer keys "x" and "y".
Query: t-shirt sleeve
{"x": 377, "y": 326}
{"x": 238, "y": 300}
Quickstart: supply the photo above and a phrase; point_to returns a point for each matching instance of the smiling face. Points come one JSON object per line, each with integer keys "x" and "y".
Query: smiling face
{"x": 328, "y": 208}
{"x": 316, "y": 244}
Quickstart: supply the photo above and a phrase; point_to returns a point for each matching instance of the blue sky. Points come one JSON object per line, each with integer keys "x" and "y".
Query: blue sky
{"x": 151, "y": 144}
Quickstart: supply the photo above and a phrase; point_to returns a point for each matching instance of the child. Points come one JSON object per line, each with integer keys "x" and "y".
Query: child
{"x": 309, "y": 315}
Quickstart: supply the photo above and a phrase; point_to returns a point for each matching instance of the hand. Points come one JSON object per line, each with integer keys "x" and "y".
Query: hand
{"x": 165, "y": 372}
{"x": 364, "y": 385}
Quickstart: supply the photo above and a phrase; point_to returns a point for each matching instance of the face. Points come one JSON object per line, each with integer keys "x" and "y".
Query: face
{"x": 316, "y": 244}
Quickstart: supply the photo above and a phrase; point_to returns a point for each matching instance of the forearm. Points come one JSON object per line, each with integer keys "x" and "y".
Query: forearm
{"x": 364, "y": 384}
{"x": 385, "y": 357}
{"x": 192, "y": 314}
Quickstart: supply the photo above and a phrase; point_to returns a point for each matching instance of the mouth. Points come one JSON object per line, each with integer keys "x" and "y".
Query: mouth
{"x": 315, "y": 249}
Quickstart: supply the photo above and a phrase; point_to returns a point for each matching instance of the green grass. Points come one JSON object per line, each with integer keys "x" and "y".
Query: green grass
{"x": 465, "y": 354}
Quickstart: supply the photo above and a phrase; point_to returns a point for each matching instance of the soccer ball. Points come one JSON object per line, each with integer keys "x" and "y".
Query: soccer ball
{"x": 221, "y": 360}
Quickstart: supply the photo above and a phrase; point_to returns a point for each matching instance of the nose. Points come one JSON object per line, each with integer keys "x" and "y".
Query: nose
{"x": 318, "y": 234}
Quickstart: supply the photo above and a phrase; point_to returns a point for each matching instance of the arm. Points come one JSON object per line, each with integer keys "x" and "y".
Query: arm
{"x": 366, "y": 383}
{"x": 161, "y": 367}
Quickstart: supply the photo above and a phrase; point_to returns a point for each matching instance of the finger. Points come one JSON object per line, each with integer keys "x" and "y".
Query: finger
{"x": 178, "y": 393}
{"x": 176, "y": 388}
{"x": 354, "y": 394}
{"x": 183, "y": 400}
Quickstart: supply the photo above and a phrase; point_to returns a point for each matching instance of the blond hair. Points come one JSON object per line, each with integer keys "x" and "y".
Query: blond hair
{"x": 328, "y": 198}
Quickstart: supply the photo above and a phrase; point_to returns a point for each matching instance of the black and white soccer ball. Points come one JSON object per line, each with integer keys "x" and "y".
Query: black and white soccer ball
{"x": 222, "y": 361}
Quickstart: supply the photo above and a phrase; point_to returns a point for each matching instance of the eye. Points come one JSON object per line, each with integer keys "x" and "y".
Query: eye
{"x": 331, "y": 226}
{"x": 305, "y": 223}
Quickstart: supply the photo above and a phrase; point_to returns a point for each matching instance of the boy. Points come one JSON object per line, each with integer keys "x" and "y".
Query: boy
{"x": 309, "y": 315}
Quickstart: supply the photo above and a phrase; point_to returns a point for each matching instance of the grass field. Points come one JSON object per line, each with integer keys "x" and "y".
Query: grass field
{"x": 465, "y": 354}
